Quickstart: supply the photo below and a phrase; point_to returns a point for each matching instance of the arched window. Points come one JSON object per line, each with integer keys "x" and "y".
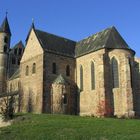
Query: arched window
{"x": 92, "y": 76}
{"x": 67, "y": 70}
{"x": 18, "y": 61}
{"x": 15, "y": 51}
{"x": 27, "y": 71}
{"x": 19, "y": 51}
{"x": 81, "y": 78}
{"x": 34, "y": 68}
{"x": 54, "y": 68}
{"x": 13, "y": 60}
{"x": 5, "y": 39}
{"x": 131, "y": 71}
{"x": 65, "y": 99}
{"x": 115, "y": 73}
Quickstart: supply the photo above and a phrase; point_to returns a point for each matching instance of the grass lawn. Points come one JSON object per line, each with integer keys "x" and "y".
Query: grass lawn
{"x": 64, "y": 127}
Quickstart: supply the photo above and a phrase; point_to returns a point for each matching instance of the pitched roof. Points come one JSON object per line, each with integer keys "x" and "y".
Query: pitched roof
{"x": 56, "y": 44}
{"x": 5, "y": 26}
{"x": 108, "y": 38}
{"x": 19, "y": 44}
{"x": 60, "y": 80}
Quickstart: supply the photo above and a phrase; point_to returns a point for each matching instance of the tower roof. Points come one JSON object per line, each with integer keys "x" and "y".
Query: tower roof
{"x": 5, "y": 27}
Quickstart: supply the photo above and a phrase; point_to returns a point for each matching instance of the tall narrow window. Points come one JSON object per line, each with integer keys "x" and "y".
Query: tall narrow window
{"x": 18, "y": 61}
{"x": 34, "y": 68}
{"x": 5, "y": 48}
{"x": 19, "y": 51}
{"x": 15, "y": 51}
{"x": 27, "y": 71}
{"x": 115, "y": 73}
{"x": 5, "y": 39}
{"x": 81, "y": 78}
{"x": 92, "y": 76}
{"x": 65, "y": 99}
{"x": 131, "y": 72}
{"x": 54, "y": 68}
{"x": 13, "y": 60}
{"x": 67, "y": 70}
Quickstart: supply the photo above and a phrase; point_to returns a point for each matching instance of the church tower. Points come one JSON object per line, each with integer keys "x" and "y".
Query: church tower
{"x": 5, "y": 36}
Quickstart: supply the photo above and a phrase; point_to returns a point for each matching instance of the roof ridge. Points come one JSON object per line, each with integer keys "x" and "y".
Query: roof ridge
{"x": 55, "y": 35}
{"x": 96, "y": 33}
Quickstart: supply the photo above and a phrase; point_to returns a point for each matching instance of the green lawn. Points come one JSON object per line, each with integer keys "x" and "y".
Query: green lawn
{"x": 64, "y": 127}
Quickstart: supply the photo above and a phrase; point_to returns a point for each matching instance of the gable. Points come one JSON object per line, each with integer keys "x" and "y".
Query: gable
{"x": 33, "y": 47}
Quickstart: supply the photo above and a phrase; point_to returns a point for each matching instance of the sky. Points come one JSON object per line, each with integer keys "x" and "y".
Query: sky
{"x": 73, "y": 19}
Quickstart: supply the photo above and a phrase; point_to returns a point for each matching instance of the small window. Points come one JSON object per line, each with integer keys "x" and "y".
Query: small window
{"x": 54, "y": 68}
{"x": 65, "y": 99}
{"x": 5, "y": 48}
{"x": 5, "y": 39}
{"x": 13, "y": 60}
{"x": 34, "y": 68}
{"x": 18, "y": 61}
{"x": 19, "y": 51}
{"x": 27, "y": 71}
{"x": 15, "y": 51}
{"x": 67, "y": 70}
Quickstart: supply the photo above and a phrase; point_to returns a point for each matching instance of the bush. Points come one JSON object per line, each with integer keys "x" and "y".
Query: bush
{"x": 7, "y": 110}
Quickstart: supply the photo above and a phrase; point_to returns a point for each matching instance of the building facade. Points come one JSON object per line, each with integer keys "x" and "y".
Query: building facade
{"x": 97, "y": 76}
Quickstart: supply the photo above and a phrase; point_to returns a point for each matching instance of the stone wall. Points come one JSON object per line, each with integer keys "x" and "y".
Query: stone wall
{"x": 123, "y": 95}
{"x": 105, "y": 100}
{"x": 32, "y": 84}
{"x": 91, "y": 102}
{"x": 49, "y": 77}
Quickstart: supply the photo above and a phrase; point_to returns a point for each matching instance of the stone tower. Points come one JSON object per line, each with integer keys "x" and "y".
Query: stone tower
{"x": 5, "y": 35}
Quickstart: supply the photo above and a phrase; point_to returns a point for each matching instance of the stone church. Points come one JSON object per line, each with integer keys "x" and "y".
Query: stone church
{"x": 97, "y": 76}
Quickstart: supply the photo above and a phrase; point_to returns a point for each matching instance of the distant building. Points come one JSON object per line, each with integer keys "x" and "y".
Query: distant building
{"x": 97, "y": 76}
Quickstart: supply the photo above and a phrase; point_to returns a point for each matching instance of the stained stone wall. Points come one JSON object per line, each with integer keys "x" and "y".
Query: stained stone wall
{"x": 123, "y": 95}
{"x": 106, "y": 100}
{"x": 91, "y": 102}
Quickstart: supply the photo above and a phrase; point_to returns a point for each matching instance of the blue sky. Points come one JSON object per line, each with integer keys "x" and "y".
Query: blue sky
{"x": 74, "y": 19}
